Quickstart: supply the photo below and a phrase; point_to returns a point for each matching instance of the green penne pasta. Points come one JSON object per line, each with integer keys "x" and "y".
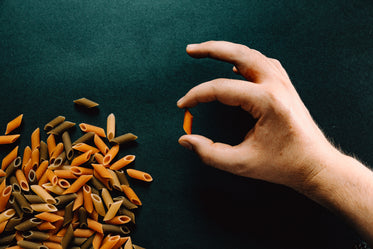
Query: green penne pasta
{"x": 82, "y": 218}
{"x": 13, "y": 203}
{"x": 128, "y": 213}
{"x": 28, "y": 224}
{"x": 121, "y": 230}
{"x": 67, "y": 145}
{"x": 14, "y": 165}
{"x": 22, "y": 202}
{"x": 7, "y": 239}
{"x": 68, "y": 217}
{"x": 67, "y": 239}
{"x": 64, "y": 199}
{"x": 96, "y": 183}
{"x": 35, "y": 235}
{"x": 43, "y": 151}
{"x": 32, "y": 177}
{"x": 78, "y": 241}
{"x": 59, "y": 160}
{"x": 30, "y": 245}
{"x": 86, "y": 138}
{"x": 84, "y": 102}
{"x": 122, "y": 177}
{"x": 54, "y": 122}
{"x": 126, "y": 203}
{"x": 88, "y": 243}
{"x": 33, "y": 199}
{"x": 12, "y": 223}
{"x": 64, "y": 126}
{"x": 15, "y": 186}
{"x": 128, "y": 137}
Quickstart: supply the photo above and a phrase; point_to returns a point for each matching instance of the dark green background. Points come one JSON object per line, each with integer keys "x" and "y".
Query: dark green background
{"x": 130, "y": 57}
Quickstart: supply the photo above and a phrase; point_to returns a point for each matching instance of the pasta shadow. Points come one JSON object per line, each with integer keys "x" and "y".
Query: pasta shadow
{"x": 89, "y": 111}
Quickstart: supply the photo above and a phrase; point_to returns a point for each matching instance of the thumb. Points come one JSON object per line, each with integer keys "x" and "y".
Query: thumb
{"x": 219, "y": 155}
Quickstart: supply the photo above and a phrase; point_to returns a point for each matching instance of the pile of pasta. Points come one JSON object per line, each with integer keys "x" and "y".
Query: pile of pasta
{"x": 63, "y": 194}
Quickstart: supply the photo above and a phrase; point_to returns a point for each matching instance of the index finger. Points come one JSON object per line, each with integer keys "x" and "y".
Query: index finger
{"x": 251, "y": 64}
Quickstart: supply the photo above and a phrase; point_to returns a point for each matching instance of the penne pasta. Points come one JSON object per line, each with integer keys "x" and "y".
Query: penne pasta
{"x": 101, "y": 170}
{"x": 82, "y": 218}
{"x": 121, "y": 242}
{"x": 82, "y": 147}
{"x": 52, "y": 245}
{"x": 140, "y": 175}
{"x": 97, "y": 240}
{"x": 51, "y": 143}
{"x": 43, "y": 207}
{"x": 81, "y": 171}
{"x": 2, "y": 226}
{"x": 67, "y": 239}
{"x": 51, "y": 177}
{"x": 97, "y": 202}
{"x": 2, "y": 173}
{"x": 92, "y": 128}
{"x": 112, "y": 211}
{"x": 67, "y": 145}
{"x": 114, "y": 181}
{"x": 88, "y": 204}
{"x": 131, "y": 195}
{"x": 54, "y": 122}
{"x": 110, "y": 126}
{"x": 83, "y": 233}
{"x": 8, "y": 139}
{"x": 22, "y": 181}
{"x": 106, "y": 197}
{"x": 125, "y": 138}
{"x": 14, "y": 124}
{"x": 86, "y": 138}
{"x": 64, "y": 126}
{"x": 62, "y": 200}
{"x": 43, "y": 152}
{"x": 95, "y": 226}
{"x": 124, "y": 161}
{"x": 9, "y": 158}
{"x": 83, "y": 179}
{"x": 100, "y": 144}
{"x": 28, "y": 224}
{"x": 43, "y": 194}
{"x": 4, "y": 197}
{"x": 56, "y": 152}
{"x": 14, "y": 165}
{"x": 119, "y": 220}
{"x": 188, "y": 121}
{"x": 63, "y": 183}
{"x": 81, "y": 159}
{"x": 122, "y": 177}
{"x": 35, "y": 235}
{"x": 96, "y": 183}
{"x": 32, "y": 177}
{"x": 26, "y": 155}
{"x": 126, "y": 203}
{"x": 30, "y": 245}
{"x": 35, "y": 158}
{"x": 22, "y": 202}
{"x": 34, "y": 199}
{"x": 110, "y": 242}
{"x": 35, "y": 139}
{"x": 48, "y": 216}
{"x": 41, "y": 169}
{"x": 55, "y": 189}
{"x": 121, "y": 230}
{"x": 86, "y": 103}
{"x": 79, "y": 201}
{"x": 87, "y": 243}
{"x": 68, "y": 217}
{"x": 111, "y": 154}
{"x": 65, "y": 173}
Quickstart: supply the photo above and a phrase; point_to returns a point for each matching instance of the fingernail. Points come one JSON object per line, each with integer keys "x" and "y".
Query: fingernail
{"x": 191, "y": 46}
{"x": 179, "y": 102}
{"x": 186, "y": 145}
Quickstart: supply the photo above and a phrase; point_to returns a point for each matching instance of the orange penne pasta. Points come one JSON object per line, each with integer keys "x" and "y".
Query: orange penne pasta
{"x": 79, "y": 160}
{"x": 131, "y": 195}
{"x": 111, "y": 154}
{"x": 56, "y": 152}
{"x": 95, "y": 226}
{"x": 9, "y": 158}
{"x": 121, "y": 242}
{"x": 100, "y": 144}
{"x": 35, "y": 158}
{"x": 110, "y": 126}
{"x": 2, "y": 186}
{"x": 4, "y": 197}
{"x": 110, "y": 242}
{"x": 51, "y": 177}
{"x": 81, "y": 171}
{"x": 65, "y": 174}
{"x": 140, "y": 175}
{"x": 46, "y": 226}
{"x": 22, "y": 181}
{"x": 124, "y": 161}
{"x": 63, "y": 183}
{"x": 83, "y": 233}
{"x": 51, "y": 217}
{"x": 7, "y": 214}
{"x": 91, "y": 128}
{"x": 101, "y": 170}
{"x": 52, "y": 245}
{"x": 2, "y": 173}
{"x": 43, "y": 179}
{"x": 54, "y": 238}
{"x": 188, "y": 121}
{"x": 35, "y": 139}
{"x": 41, "y": 169}
{"x": 42, "y": 193}
{"x": 82, "y": 147}
{"x": 51, "y": 143}
{"x": 8, "y": 139}
{"x": 97, "y": 240}
{"x": 26, "y": 156}
{"x": 94, "y": 215}
{"x": 28, "y": 167}
{"x": 83, "y": 179}
{"x": 14, "y": 124}
{"x": 119, "y": 220}
{"x": 79, "y": 200}
{"x": 99, "y": 158}
{"x": 88, "y": 204}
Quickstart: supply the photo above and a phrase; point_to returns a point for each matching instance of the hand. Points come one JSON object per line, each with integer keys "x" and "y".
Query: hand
{"x": 285, "y": 146}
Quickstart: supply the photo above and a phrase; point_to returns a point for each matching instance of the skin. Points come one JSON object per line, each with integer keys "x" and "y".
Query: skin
{"x": 285, "y": 146}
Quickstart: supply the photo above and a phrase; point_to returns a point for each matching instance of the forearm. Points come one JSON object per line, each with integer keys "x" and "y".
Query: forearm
{"x": 345, "y": 186}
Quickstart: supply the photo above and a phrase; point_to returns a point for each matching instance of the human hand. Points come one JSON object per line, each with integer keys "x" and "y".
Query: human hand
{"x": 285, "y": 146}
